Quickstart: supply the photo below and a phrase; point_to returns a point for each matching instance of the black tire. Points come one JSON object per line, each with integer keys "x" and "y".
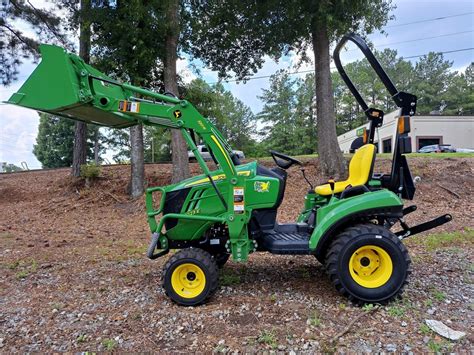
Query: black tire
{"x": 350, "y": 272}
{"x": 221, "y": 259}
{"x": 192, "y": 265}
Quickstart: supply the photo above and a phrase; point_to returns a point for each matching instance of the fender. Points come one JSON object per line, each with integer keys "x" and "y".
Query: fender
{"x": 339, "y": 213}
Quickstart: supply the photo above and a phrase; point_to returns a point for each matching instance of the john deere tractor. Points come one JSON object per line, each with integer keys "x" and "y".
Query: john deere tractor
{"x": 231, "y": 210}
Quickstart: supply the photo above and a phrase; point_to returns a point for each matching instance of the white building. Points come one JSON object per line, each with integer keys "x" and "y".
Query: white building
{"x": 425, "y": 130}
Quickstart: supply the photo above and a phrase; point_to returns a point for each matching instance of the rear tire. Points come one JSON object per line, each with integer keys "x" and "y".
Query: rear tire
{"x": 368, "y": 264}
{"x": 190, "y": 277}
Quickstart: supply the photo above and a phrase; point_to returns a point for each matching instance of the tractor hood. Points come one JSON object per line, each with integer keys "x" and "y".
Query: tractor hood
{"x": 248, "y": 169}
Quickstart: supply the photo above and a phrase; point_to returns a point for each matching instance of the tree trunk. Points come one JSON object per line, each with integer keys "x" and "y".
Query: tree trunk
{"x": 96, "y": 147}
{"x": 79, "y": 155}
{"x": 178, "y": 145}
{"x": 137, "y": 162}
{"x": 330, "y": 156}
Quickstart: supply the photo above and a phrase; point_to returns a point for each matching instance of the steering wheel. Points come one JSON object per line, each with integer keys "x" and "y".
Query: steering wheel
{"x": 284, "y": 161}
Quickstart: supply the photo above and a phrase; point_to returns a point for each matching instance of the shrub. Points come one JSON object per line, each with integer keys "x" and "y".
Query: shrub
{"x": 90, "y": 171}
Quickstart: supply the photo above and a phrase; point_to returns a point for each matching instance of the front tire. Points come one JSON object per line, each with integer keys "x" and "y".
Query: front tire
{"x": 368, "y": 264}
{"x": 190, "y": 277}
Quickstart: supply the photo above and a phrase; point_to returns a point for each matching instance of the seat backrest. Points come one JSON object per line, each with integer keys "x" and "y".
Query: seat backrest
{"x": 361, "y": 165}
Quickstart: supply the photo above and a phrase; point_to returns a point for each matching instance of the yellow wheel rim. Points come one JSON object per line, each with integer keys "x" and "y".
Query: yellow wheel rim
{"x": 370, "y": 266}
{"x": 188, "y": 280}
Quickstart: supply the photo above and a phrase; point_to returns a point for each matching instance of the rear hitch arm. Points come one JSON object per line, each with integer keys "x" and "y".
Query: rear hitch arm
{"x": 409, "y": 231}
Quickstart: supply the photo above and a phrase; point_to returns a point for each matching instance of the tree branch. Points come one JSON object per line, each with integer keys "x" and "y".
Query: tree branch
{"x": 20, "y": 37}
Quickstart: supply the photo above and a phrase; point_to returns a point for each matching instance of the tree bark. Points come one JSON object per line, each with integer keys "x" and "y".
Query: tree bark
{"x": 79, "y": 155}
{"x": 179, "y": 155}
{"x": 137, "y": 164}
{"x": 330, "y": 156}
{"x": 96, "y": 147}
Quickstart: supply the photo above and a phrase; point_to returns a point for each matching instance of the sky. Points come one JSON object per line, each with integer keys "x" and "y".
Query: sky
{"x": 19, "y": 126}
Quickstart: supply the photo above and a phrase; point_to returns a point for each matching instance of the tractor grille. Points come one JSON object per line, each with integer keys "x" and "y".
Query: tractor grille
{"x": 174, "y": 202}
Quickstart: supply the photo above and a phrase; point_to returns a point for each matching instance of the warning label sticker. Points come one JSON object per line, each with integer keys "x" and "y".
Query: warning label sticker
{"x": 129, "y": 106}
{"x": 239, "y": 208}
{"x": 239, "y": 205}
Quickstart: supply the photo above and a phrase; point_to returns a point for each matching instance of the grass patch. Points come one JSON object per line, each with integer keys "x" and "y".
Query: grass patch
{"x": 314, "y": 319}
{"x": 368, "y": 307}
{"x": 436, "y": 241}
{"x": 13, "y": 265}
{"x": 396, "y": 310}
{"x": 438, "y": 295}
{"x": 26, "y": 268}
{"x": 229, "y": 277}
{"x": 424, "y": 329}
{"x": 268, "y": 337}
{"x": 440, "y": 346}
{"x": 435, "y": 346}
{"x": 109, "y": 344}
{"x": 81, "y": 338}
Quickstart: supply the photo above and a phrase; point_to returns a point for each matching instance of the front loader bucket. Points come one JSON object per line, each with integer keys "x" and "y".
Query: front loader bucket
{"x": 63, "y": 85}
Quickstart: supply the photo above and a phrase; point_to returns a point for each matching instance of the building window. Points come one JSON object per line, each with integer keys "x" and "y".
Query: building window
{"x": 387, "y": 145}
{"x": 424, "y": 141}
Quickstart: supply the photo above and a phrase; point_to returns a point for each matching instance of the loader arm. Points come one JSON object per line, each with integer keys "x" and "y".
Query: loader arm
{"x": 64, "y": 85}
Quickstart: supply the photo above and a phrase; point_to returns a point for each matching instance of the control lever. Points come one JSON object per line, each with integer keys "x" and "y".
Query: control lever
{"x": 304, "y": 176}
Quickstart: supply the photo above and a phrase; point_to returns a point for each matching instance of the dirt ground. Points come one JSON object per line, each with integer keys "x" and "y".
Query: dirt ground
{"x": 74, "y": 276}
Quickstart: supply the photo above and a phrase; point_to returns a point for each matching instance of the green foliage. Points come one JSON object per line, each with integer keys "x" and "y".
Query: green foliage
{"x": 436, "y": 241}
{"x": 348, "y": 113}
{"x": 424, "y": 329}
{"x": 229, "y": 277}
{"x": 10, "y": 168}
{"x": 90, "y": 171}
{"x": 435, "y": 346}
{"x": 157, "y": 143}
{"x": 18, "y": 19}
{"x": 287, "y": 115}
{"x": 268, "y": 337}
{"x": 231, "y": 117}
{"x": 234, "y": 36}
{"x": 125, "y": 42}
{"x": 314, "y": 319}
{"x": 368, "y": 307}
{"x": 438, "y": 295}
{"x": 109, "y": 344}
{"x": 431, "y": 79}
{"x": 81, "y": 338}
{"x": 118, "y": 140}
{"x": 396, "y": 310}
{"x": 27, "y": 268}
{"x": 55, "y": 141}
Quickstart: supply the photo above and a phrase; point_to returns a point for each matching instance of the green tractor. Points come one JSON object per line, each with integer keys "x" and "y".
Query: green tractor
{"x": 231, "y": 211}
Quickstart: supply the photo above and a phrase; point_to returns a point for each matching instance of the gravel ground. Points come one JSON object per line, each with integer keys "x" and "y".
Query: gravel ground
{"x": 74, "y": 277}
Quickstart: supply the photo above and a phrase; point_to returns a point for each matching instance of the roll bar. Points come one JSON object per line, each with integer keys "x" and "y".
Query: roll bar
{"x": 405, "y": 101}
{"x": 400, "y": 180}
